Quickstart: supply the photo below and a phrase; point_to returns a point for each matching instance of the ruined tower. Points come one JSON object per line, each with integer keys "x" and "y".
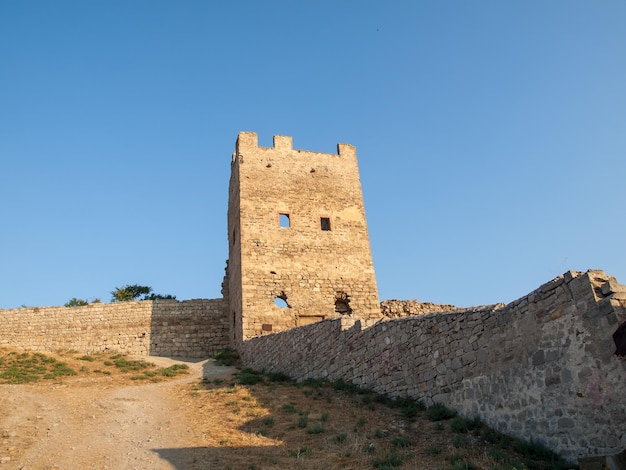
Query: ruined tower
{"x": 299, "y": 249}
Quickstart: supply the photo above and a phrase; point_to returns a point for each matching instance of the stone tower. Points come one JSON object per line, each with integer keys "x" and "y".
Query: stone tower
{"x": 299, "y": 250}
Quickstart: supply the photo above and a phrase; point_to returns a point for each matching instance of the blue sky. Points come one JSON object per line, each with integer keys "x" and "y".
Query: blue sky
{"x": 491, "y": 138}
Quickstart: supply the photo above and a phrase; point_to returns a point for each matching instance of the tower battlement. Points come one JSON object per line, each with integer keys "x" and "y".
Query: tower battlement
{"x": 249, "y": 142}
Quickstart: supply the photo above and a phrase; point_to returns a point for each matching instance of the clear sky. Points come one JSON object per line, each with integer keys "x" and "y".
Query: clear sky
{"x": 491, "y": 138}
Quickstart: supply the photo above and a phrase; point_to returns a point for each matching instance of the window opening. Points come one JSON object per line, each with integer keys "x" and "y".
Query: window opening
{"x": 281, "y": 300}
{"x": 342, "y": 303}
{"x": 325, "y": 222}
{"x": 619, "y": 337}
{"x": 284, "y": 220}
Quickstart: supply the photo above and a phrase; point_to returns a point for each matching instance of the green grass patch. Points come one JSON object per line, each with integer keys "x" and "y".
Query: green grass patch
{"x": 27, "y": 367}
{"x": 173, "y": 370}
{"x": 126, "y": 365}
{"x": 226, "y": 357}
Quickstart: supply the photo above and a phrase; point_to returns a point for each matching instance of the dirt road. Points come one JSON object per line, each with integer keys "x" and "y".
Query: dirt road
{"x": 95, "y": 425}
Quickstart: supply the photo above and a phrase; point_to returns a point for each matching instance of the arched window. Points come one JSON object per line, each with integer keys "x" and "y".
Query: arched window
{"x": 342, "y": 303}
{"x": 281, "y": 300}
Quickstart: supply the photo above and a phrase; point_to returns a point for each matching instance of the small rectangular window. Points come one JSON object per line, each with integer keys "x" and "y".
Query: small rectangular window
{"x": 284, "y": 220}
{"x": 325, "y": 221}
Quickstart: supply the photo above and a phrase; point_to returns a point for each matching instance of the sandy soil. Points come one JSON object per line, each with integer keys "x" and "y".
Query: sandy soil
{"x": 94, "y": 424}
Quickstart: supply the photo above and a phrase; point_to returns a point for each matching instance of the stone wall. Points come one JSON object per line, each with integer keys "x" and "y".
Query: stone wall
{"x": 297, "y": 232}
{"x": 543, "y": 367}
{"x": 192, "y": 328}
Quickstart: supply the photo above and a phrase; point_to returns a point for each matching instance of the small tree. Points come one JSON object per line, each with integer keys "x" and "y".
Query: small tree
{"x": 134, "y": 292}
{"x": 129, "y": 292}
{"x": 74, "y": 302}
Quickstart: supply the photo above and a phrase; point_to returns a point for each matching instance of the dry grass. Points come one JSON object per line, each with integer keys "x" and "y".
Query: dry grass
{"x": 254, "y": 421}
{"x": 279, "y": 424}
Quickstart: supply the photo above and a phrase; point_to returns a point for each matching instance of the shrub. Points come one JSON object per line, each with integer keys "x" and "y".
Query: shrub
{"x": 74, "y": 302}
{"x": 129, "y": 292}
{"x": 497, "y": 453}
{"x": 401, "y": 442}
{"x": 439, "y": 412}
{"x": 409, "y": 407}
{"x": 389, "y": 461}
{"x": 536, "y": 451}
{"x": 317, "y": 429}
{"x": 314, "y": 383}
{"x": 460, "y": 441}
{"x": 460, "y": 424}
{"x": 278, "y": 377}
{"x": 249, "y": 377}
{"x": 289, "y": 408}
{"x": 344, "y": 386}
